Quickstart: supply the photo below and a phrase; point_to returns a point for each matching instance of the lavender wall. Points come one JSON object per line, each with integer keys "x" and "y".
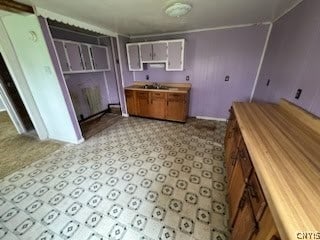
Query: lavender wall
{"x": 126, "y": 74}
{"x": 210, "y": 56}
{"x": 76, "y": 82}
{"x": 105, "y": 80}
{"x": 111, "y": 79}
{"x": 292, "y": 58}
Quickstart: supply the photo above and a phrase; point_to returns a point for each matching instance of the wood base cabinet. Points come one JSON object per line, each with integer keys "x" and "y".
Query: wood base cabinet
{"x": 159, "y": 105}
{"x": 250, "y": 217}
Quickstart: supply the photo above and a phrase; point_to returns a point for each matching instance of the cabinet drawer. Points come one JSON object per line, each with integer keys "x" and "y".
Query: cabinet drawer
{"x": 256, "y": 195}
{"x": 143, "y": 94}
{"x": 157, "y": 95}
{"x": 176, "y": 96}
{"x": 245, "y": 159}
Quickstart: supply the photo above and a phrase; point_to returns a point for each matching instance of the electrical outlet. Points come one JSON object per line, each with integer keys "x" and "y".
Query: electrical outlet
{"x": 227, "y": 78}
{"x": 268, "y": 82}
{"x": 187, "y": 78}
{"x": 147, "y": 77}
{"x": 298, "y": 94}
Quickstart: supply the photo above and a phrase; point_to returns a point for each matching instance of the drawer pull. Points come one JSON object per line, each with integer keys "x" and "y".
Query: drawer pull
{"x": 253, "y": 193}
{"x": 242, "y": 202}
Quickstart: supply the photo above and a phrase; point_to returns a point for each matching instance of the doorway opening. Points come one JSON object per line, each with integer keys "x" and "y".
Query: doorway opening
{"x": 13, "y": 95}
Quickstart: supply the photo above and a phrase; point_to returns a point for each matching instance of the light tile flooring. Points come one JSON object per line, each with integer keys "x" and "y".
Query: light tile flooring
{"x": 140, "y": 179}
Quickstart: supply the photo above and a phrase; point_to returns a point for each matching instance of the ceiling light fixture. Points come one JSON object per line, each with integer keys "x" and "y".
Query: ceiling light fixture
{"x": 178, "y": 9}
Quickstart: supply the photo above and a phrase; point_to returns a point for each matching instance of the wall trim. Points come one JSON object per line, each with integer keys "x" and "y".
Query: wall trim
{"x": 124, "y": 111}
{"x": 71, "y": 21}
{"x": 287, "y": 11}
{"x": 200, "y": 30}
{"x": 72, "y": 31}
{"x": 125, "y": 115}
{"x": 261, "y": 62}
{"x": 211, "y": 118}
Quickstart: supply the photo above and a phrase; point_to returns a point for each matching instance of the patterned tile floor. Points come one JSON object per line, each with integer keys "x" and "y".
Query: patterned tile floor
{"x": 140, "y": 179}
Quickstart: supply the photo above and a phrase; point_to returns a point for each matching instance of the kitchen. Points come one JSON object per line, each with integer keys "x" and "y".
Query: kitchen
{"x": 200, "y": 121}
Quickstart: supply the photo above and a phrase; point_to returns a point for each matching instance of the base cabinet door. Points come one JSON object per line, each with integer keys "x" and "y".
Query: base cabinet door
{"x": 235, "y": 191}
{"x": 267, "y": 228}
{"x": 143, "y": 104}
{"x": 245, "y": 225}
{"x": 176, "y": 107}
{"x": 158, "y": 105}
{"x": 131, "y": 102}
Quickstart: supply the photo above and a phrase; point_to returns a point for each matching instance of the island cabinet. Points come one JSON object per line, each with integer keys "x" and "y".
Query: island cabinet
{"x": 158, "y": 104}
{"x": 272, "y": 161}
{"x": 249, "y": 216}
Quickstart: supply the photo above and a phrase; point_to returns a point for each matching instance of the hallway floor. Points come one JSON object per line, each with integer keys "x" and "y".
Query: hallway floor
{"x": 140, "y": 179}
{"x": 18, "y": 151}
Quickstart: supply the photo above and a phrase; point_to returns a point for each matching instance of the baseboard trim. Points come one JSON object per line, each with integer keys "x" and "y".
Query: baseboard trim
{"x": 3, "y": 110}
{"x": 211, "y": 118}
{"x": 125, "y": 115}
{"x": 81, "y": 140}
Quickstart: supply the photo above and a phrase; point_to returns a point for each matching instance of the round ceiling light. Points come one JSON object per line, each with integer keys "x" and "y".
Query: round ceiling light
{"x": 178, "y": 9}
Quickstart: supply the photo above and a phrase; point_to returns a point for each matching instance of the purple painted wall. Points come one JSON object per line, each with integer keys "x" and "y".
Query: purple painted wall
{"x": 118, "y": 74}
{"x": 76, "y": 82}
{"x": 210, "y": 57}
{"x": 127, "y": 75}
{"x": 111, "y": 75}
{"x": 292, "y": 59}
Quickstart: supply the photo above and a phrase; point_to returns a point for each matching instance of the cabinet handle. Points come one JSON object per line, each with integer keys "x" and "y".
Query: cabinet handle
{"x": 253, "y": 193}
{"x": 242, "y": 202}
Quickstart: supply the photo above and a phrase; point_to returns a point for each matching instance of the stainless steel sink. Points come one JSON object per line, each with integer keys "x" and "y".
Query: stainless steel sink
{"x": 155, "y": 86}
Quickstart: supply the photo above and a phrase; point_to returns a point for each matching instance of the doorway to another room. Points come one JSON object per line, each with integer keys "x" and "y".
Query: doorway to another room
{"x": 13, "y": 96}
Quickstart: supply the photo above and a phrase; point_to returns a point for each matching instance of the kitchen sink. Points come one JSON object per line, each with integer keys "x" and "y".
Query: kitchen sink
{"x": 155, "y": 87}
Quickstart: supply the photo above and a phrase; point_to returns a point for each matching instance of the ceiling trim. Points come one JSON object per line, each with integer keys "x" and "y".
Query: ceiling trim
{"x": 199, "y": 30}
{"x": 71, "y": 21}
{"x": 287, "y": 10}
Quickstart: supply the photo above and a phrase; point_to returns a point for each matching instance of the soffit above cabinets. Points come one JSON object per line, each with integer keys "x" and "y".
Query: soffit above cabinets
{"x": 140, "y": 17}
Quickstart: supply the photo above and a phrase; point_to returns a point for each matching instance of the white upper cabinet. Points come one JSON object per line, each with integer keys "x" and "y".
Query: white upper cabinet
{"x": 64, "y": 63}
{"x": 160, "y": 51}
{"x": 100, "y": 58}
{"x": 175, "y": 55}
{"x": 134, "y": 61}
{"x": 77, "y": 57}
{"x": 146, "y": 52}
{"x": 170, "y": 52}
{"x": 86, "y": 56}
{"x": 74, "y": 56}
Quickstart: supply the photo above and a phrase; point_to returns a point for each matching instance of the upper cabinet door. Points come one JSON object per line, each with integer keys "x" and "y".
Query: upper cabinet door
{"x": 74, "y": 55}
{"x": 100, "y": 58}
{"x": 134, "y": 57}
{"x": 62, "y": 55}
{"x": 86, "y": 57}
{"x": 159, "y": 52}
{"x": 146, "y": 52}
{"x": 175, "y": 55}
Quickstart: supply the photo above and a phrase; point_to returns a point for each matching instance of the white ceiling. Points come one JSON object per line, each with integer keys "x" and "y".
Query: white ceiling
{"x": 138, "y": 17}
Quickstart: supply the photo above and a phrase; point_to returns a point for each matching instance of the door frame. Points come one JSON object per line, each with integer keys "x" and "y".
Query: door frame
{"x": 11, "y": 110}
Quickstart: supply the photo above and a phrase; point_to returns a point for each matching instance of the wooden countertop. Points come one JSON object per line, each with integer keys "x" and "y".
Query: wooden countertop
{"x": 284, "y": 144}
{"x": 172, "y": 87}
